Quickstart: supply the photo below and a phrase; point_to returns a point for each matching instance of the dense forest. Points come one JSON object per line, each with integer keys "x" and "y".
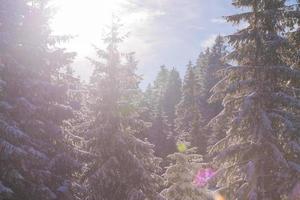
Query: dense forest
{"x": 229, "y": 129}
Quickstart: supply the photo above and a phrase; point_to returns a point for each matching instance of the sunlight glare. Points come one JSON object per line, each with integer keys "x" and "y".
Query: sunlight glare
{"x": 86, "y": 20}
{"x": 78, "y": 17}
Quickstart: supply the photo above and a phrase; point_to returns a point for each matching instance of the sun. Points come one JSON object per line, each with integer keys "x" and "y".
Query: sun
{"x": 87, "y": 21}
{"x": 78, "y": 17}
{"x": 84, "y": 18}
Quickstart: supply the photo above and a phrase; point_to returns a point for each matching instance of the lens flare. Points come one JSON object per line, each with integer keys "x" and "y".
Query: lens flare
{"x": 203, "y": 176}
{"x": 218, "y": 197}
{"x": 181, "y": 147}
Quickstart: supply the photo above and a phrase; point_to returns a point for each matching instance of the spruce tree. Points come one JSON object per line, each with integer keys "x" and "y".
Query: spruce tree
{"x": 146, "y": 111}
{"x": 160, "y": 134}
{"x": 148, "y": 103}
{"x": 208, "y": 70}
{"x": 172, "y": 96}
{"x": 203, "y": 76}
{"x": 180, "y": 176}
{"x": 160, "y": 109}
{"x": 259, "y": 156}
{"x": 291, "y": 47}
{"x": 160, "y": 86}
{"x": 209, "y": 65}
{"x": 35, "y": 161}
{"x": 291, "y": 56}
{"x": 188, "y": 121}
{"x": 124, "y": 166}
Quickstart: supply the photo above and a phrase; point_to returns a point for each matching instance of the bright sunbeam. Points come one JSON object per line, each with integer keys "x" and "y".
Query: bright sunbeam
{"x": 87, "y": 20}
{"x": 84, "y": 19}
{"x": 82, "y": 15}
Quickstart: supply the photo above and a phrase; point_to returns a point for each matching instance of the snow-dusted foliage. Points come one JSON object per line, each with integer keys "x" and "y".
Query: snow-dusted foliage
{"x": 208, "y": 70}
{"x": 188, "y": 117}
{"x": 123, "y": 167}
{"x": 159, "y": 106}
{"x": 6, "y": 193}
{"x": 258, "y": 155}
{"x": 180, "y": 177}
{"x": 61, "y": 139}
{"x": 34, "y": 161}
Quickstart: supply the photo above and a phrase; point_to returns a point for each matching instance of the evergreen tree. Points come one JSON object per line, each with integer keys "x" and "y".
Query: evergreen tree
{"x": 35, "y": 161}
{"x": 146, "y": 111}
{"x": 160, "y": 86}
{"x": 188, "y": 121}
{"x": 208, "y": 70}
{"x": 209, "y": 65}
{"x": 77, "y": 126}
{"x": 291, "y": 56}
{"x": 161, "y": 108}
{"x": 160, "y": 134}
{"x": 180, "y": 176}
{"x": 259, "y": 157}
{"x": 124, "y": 167}
{"x": 291, "y": 48}
{"x": 202, "y": 75}
{"x": 172, "y": 96}
{"x": 148, "y": 102}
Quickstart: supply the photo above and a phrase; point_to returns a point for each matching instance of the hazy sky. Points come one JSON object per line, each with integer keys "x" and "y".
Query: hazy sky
{"x": 169, "y": 32}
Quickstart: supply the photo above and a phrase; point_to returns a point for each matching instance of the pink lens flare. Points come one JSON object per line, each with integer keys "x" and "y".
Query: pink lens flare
{"x": 203, "y": 176}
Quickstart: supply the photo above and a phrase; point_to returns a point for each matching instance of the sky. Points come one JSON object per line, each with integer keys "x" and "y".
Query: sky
{"x": 161, "y": 32}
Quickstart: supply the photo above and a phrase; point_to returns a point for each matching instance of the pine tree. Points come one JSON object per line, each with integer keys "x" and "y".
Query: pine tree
{"x": 148, "y": 102}
{"x": 160, "y": 86}
{"x": 208, "y": 70}
{"x": 160, "y": 134}
{"x": 35, "y": 161}
{"x": 160, "y": 109}
{"x": 209, "y": 64}
{"x": 291, "y": 56}
{"x": 259, "y": 157}
{"x": 180, "y": 175}
{"x": 172, "y": 96}
{"x": 292, "y": 21}
{"x": 202, "y": 74}
{"x": 124, "y": 167}
{"x": 188, "y": 121}
{"x": 76, "y": 127}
